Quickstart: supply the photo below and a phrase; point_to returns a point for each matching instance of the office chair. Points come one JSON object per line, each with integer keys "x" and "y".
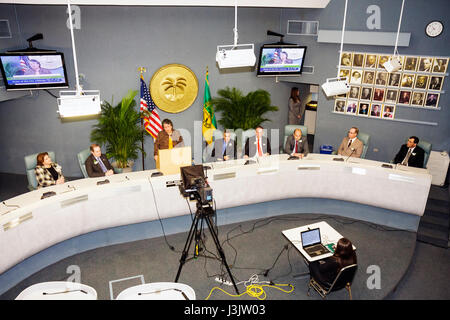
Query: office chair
{"x": 289, "y": 130}
{"x": 426, "y": 146}
{"x": 30, "y": 165}
{"x": 343, "y": 280}
{"x": 82, "y": 156}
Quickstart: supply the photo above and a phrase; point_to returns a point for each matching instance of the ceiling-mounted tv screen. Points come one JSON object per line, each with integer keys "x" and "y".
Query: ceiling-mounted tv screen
{"x": 281, "y": 60}
{"x": 38, "y": 70}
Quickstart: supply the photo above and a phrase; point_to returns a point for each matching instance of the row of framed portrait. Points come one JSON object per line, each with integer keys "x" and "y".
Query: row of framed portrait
{"x": 424, "y": 64}
{"x": 393, "y": 96}
{"x": 395, "y": 79}
{"x": 365, "y": 109}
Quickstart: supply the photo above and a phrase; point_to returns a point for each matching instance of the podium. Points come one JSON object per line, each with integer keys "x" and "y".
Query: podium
{"x": 170, "y": 160}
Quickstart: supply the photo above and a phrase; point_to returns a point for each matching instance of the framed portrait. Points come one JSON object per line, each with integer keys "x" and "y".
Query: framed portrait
{"x": 375, "y": 110}
{"x": 388, "y": 111}
{"x": 394, "y": 79}
{"x": 363, "y": 109}
{"x": 435, "y": 83}
{"x": 421, "y": 82}
{"x": 346, "y": 59}
{"x": 381, "y": 60}
{"x": 366, "y": 93}
{"x": 440, "y": 65}
{"x": 356, "y": 77}
{"x": 391, "y": 96}
{"x": 352, "y": 106}
{"x": 358, "y": 60}
{"x": 404, "y": 97}
{"x": 345, "y": 73}
{"x": 407, "y": 80}
{"x": 410, "y": 64}
{"x": 378, "y": 94}
{"x": 418, "y": 98}
{"x": 339, "y": 105}
{"x": 425, "y": 64}
{"x": 371, "y": 61}
{"x": 381, "y": 78}
{"x": 354, "y": 92}
{"x": 369, "y": 77}
{"x": 432, "y": 100}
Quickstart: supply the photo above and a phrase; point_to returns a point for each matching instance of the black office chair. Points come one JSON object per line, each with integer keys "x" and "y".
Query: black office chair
{"x": 343, "y": 280}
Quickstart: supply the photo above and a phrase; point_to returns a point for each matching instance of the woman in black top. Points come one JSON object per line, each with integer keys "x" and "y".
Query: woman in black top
{"x": 325, "y": 271}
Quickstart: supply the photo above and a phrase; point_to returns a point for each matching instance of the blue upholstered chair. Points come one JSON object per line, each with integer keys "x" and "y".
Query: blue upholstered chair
{"x": 82, "y": 156}
{"x": 289, "y": 130}
{"x": 426, "y": 146}
{"x": 30, "y": 165}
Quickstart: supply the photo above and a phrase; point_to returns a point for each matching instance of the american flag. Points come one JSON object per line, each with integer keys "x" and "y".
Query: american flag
{"x": 152, "y": 123}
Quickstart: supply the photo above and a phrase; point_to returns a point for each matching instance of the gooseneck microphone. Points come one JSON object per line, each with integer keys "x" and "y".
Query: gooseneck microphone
{"x": 353, "y": 150}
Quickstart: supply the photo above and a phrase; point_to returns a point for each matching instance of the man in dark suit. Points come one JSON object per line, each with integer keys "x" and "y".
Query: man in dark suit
{"x": 224, "y": 149}
{"x": 296, "y": 145}
{"x": 257, "y": 146}
{"x": 410, "y": 154}
{"x": 97, "y": 164}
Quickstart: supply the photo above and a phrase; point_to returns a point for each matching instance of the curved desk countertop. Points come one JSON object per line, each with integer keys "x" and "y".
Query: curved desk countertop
{"x": 29, "y": 225}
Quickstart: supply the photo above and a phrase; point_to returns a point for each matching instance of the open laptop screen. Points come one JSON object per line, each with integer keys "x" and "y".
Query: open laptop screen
{"x": 310, "y": 237}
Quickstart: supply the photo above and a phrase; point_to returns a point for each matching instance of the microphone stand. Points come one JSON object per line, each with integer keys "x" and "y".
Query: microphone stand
{"x": 353, "y": 150}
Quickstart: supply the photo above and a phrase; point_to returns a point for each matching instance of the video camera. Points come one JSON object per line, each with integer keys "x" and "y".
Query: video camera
{"x": 194, "y": 184}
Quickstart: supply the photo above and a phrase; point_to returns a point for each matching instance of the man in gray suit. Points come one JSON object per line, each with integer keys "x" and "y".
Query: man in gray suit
{"x": 296, "y": 145}
{"x": 224, "y": 149}
{"x": 258, "y": 145}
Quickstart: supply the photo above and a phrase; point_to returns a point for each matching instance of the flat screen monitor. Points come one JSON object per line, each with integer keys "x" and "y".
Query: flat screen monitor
{"x": 37, "y": 70}
{"x": 281, "y": 60}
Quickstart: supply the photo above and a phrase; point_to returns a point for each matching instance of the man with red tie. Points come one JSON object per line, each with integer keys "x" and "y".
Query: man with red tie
{"x": 258, "y": 145}
{"x": 296, "y": 145}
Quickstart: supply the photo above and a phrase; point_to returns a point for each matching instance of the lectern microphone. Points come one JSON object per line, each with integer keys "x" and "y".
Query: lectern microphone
{"x": 353, "y": 150}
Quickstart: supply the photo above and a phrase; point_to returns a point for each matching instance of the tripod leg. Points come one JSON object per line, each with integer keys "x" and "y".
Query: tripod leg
{"x": 187, "y": 245}
{"x": 220, "y": 250}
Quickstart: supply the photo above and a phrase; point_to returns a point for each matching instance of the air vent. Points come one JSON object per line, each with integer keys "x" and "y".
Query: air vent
{"x": 303, "y": 28}
{"x": 5, "y": 30}
{"x": 308, "y": 69}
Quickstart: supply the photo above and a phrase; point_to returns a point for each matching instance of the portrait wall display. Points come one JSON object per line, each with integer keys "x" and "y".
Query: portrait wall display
{"x": 375, "y": 93}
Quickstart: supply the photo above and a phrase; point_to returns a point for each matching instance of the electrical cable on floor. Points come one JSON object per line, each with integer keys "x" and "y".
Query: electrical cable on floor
{"x": 255, "y": 288}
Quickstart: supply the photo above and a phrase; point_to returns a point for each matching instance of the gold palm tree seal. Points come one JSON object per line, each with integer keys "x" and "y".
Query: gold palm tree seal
{"x": 174, "y": 88}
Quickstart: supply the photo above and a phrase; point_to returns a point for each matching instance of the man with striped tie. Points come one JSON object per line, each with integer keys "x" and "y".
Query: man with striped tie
{"x": 410, "y": 154}
{"x": 97, "y": 164}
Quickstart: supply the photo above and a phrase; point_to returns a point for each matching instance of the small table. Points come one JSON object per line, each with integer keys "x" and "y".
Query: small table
{"x": 158, "y": 291}
{"x": 58, "y": 290}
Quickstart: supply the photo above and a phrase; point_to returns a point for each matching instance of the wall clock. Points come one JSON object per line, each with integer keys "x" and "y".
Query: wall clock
{"x": 434, "y": 29}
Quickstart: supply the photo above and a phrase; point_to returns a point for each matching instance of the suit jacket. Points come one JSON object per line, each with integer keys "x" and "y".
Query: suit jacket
{"x": 345, "y": 151}
{"x": 93, "y": 167}
{"x": 302, "y": 145}
{"x": 251, "y": 147}
{"x": 230, "y": 149}
{"x": 44, "y": 177}
{"x": 416, "y": 158}
{"x": 162, "y": 141}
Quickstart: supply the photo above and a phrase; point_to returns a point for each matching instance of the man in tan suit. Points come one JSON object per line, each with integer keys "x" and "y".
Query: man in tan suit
{"x": 351, "y": 145}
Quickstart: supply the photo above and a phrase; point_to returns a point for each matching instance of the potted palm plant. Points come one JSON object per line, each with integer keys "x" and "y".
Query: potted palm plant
{"x": 119, "y": 129}
{"x": 242, "y": 112}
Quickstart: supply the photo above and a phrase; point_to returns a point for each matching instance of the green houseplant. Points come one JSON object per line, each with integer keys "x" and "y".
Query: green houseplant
{"x": 242, "y": 112}
{"x": 119, "y": 129}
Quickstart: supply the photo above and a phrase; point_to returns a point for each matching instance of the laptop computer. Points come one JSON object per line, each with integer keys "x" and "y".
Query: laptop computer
{"x": 312, "y": 243}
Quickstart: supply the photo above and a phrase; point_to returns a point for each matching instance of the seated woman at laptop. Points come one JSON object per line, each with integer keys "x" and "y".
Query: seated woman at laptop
{"x": 325, "y": 271}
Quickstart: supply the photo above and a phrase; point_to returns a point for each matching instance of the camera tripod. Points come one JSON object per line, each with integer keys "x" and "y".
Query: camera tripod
{"x": 203, "y": 214}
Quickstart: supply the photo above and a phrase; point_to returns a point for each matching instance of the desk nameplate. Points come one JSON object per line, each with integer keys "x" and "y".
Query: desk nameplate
{"x": 72, "y": 201}
{"x": 222, "y": 176}
{"x": 15, "y": 222}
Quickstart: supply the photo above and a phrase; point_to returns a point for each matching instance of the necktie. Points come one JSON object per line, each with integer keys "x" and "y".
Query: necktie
{"x": 405, "y": 161}
{"x": 224, "y": 148}
{"x": 102, "y": 165}
{"x": 295, "y": 149}
{"x": 170, "y": 142}
{"x": 259, "y": 149}
{"x": 349, "y": 143}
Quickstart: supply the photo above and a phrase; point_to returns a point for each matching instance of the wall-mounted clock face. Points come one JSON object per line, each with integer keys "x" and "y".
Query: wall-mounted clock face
{"x": 434, "y": 28}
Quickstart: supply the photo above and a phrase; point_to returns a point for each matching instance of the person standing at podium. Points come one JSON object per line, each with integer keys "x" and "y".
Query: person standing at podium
{"x": 258, "y": 145}
{"x": 351, "y": 145}
{"x": 167, "y": 138}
